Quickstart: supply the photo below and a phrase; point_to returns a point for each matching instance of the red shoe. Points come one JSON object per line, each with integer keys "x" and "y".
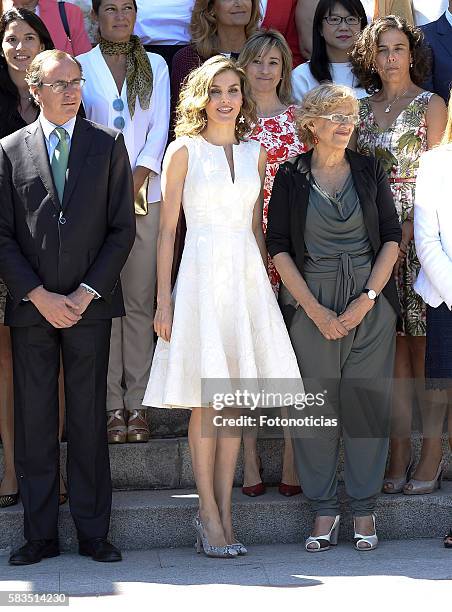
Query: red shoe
{"x": 289, "y": 490}
{"x": 255, "y": 490}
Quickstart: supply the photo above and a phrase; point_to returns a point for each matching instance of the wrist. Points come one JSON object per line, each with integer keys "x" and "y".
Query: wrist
{"x": 36, "y": 293}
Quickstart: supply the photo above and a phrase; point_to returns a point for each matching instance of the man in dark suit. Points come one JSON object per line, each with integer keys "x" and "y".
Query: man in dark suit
{"x": 66, "y": 228}
{"x": 438, "y": 35}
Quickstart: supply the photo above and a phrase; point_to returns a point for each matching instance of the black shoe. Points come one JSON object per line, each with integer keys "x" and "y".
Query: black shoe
{"x": 34, "y": 551}
{"x": 99, "y": 549}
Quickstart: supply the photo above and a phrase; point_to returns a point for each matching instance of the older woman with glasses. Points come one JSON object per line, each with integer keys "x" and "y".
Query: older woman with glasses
{"x": 333, "y": 235}
{"x": 128, "y": 89}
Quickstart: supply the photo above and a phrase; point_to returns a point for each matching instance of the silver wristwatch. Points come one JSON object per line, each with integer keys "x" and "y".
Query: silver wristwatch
{"x": 371, "y": 294}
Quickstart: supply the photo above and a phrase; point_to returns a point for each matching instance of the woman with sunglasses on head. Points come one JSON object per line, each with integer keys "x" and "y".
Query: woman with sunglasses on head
{"x": 267, "y": 61}
{"x": 336, "y": 27}
{"x": 333, "y": 235}
{"x": 398, "y": 122}
{"x": 128, "y": 89}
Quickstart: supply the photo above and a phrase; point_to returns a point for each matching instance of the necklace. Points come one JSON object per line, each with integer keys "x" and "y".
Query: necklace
{"x": 388, "y": 108}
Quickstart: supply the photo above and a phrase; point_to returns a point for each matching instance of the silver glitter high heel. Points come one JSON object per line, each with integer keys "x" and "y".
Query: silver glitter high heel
{"x": 202, "y": 543}
{"x": 238, "y": 546}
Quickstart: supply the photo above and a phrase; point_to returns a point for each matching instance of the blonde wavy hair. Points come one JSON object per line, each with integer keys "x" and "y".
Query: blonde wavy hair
{"x": 260, "y": 43}
{"x": 204, "y": 28}
{"x": 191, "y": 116}
{"x": 322, "y": 100}
{"x": 447, "y": 137}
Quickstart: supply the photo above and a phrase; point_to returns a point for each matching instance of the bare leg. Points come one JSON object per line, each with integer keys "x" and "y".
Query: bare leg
{"x": 251, "y": 464}
{"x": 433, "y": 409}
{"x": 402, "y": 406}
{"x": 202, "y": 438}
{"x": 9, "y": 483}
{"x": 289, "y": 474}
{"x": 228, "y": 447}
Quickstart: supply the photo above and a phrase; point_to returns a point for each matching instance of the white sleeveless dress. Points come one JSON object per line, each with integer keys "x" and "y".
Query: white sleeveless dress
{"x": 227, "y": 323}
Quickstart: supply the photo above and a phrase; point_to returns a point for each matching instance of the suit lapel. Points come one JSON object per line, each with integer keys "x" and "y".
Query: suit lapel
{"x": 38, "y": 151}
{"x": 444, "y": 30}
{"x": 80, "y": 144}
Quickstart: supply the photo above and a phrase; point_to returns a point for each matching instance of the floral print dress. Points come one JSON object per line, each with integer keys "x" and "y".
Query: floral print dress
{"x": 399, "y": 148}
{"x": 279, "y": 138}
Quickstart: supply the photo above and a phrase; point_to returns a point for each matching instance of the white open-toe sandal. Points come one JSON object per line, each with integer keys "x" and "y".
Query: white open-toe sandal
{"x": 323, "y": 542}
{"x": 371, "y": 540}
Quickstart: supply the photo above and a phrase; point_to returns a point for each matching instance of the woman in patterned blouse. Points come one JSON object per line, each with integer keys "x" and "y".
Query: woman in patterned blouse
{"x": 267, "y": 60}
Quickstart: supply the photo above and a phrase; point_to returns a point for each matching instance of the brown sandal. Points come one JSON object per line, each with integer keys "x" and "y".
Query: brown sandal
{"x": 116, "y": 427}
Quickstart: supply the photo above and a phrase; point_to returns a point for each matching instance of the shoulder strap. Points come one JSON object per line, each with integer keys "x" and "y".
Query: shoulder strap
{"x": 64, "y": 19}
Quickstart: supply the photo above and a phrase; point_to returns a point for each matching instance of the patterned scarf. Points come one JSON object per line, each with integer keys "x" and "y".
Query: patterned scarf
{"x": 139, "y": 76}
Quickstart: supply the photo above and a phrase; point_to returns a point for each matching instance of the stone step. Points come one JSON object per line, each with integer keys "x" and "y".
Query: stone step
{"x": 165, "y": 463}
{"x": 156, "y": 519}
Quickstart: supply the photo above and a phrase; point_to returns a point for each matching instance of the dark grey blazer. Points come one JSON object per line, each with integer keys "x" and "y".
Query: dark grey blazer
{"x": 84, "y": 239}
{"x": 289, "y": 204}
{"x": 438, "y": 35}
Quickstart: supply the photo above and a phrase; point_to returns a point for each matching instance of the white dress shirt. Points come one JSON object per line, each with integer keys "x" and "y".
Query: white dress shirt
{"x": 164, "y": 22}
{"x": 146, "y": 134}
{"x": 51, "y": 138}
{"x": 433, "y": 226}
{"x": 341, "y": 73}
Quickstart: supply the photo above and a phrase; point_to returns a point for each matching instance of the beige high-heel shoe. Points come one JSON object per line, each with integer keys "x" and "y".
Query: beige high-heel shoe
{"x": 420, "y": 487}
{"x": 395, "y": 485}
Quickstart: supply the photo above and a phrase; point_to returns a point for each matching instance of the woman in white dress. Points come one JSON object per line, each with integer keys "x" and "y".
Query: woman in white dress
{"x": 222, "y": 321}
{"x": 128, "y": 89}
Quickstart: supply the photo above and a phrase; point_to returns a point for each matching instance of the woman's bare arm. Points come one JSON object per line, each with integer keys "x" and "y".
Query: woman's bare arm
{"x": 258, "y": 209}
{"x": 175, "y": 166}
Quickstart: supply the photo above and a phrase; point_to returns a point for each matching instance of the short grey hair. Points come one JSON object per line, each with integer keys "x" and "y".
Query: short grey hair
{"x": 35, "y": 71}
{"x": 322, "y": 100}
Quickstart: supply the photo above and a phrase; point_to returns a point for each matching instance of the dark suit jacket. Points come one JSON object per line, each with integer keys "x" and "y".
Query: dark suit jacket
{"x": 93, "y": 243}
{"x": 289, "y": 204}
{"x": 438, "y": 35}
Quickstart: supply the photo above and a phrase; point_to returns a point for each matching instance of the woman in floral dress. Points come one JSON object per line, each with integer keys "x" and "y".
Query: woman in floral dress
{"x": 267, "y": 61}
{"x": 398, "y": 122}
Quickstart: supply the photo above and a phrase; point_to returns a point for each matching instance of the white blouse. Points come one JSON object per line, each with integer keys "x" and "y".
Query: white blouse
{"x": 164, "y": 22}
{"x": 146, "y": 135}
{"x": 433, "y": 227}
{"x": 341, "y": 73}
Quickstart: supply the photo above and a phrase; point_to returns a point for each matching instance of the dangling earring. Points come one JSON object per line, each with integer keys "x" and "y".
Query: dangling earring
{"x": 241, "y": 119}
{"x": 315, "y": 139}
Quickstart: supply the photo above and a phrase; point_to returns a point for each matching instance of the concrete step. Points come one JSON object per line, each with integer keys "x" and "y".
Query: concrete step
{"x": 165, "y": 463}
{"x": 159, "y": 519}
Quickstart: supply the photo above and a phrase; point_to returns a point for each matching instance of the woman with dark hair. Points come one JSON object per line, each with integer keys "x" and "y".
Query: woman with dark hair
{"x": 398, "y": 122}
{"x": 64, "y": 22}
{"x": 22, "y": 36}
{"x": 128, "y": 89}
{"x": 336, "y": 27}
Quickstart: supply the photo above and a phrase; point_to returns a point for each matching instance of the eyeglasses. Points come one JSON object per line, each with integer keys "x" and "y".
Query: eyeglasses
{"x": 339, "y": 118}
{"x": 335, "y": 20}
{"x": 118, "y": 106}
{"x": 60, "y": 86}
